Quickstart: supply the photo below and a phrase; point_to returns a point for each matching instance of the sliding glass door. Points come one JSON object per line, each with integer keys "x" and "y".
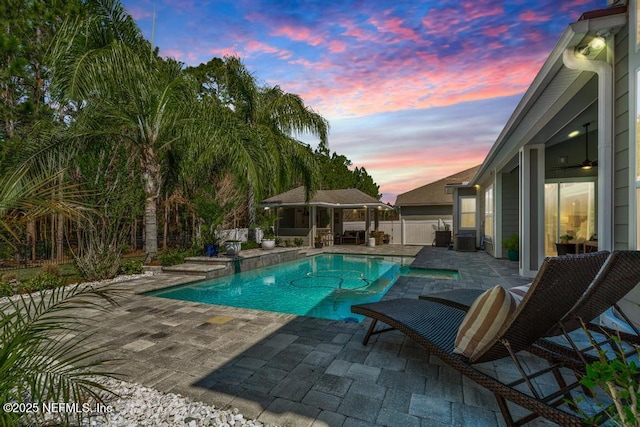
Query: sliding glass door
{"x": 570, "y": 208}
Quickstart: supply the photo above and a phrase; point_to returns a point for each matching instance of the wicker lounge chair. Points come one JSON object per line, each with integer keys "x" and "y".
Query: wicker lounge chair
{"x": 433, "y": 325}
{"x": 619, "y": 275}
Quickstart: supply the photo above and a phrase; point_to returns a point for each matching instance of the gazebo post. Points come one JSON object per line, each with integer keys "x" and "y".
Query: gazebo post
{"x": 313, "y": 224}
{"x": 367, "y": 219}
{"x": 376, "y": 220}
{"x": 331, "y": 224}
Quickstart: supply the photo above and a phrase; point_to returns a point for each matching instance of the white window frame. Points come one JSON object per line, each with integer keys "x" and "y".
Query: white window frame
{"x": 475, "y": 212}
{"x": 489, "y": 214}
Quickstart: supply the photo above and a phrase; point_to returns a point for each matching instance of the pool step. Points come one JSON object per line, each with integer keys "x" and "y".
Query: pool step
{"x": 198, "y": 269}
{"x": 210, "y": 267}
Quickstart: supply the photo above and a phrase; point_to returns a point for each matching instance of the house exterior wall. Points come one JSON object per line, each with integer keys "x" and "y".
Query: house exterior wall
{"x": 621, "y": 140}
{"x": 510, "y": 196}
{"x": 426, "y": 212}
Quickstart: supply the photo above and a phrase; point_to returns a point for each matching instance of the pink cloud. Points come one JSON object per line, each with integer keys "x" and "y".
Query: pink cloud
{"x": 139, "y": 13}
{"x": 257, "y": 46}
{"x": 337, "y": 46}
{"x": 440, "y": 21}
{"x": 395, "y": 26}
{"x": 531, "y": 16}
{"x": 496, "y": 31}
{"x": 481, "y": 9}
{"x": 437, "y": 83}
{"x": 300, "y": 34}
{"x": 183, "y": 56}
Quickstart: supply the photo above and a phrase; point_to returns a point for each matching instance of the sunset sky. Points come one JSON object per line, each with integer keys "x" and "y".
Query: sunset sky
{"x": 414, "y": 90}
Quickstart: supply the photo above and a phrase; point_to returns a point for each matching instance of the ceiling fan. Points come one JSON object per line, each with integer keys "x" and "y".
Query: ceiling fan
{"x": 586, "y": 163}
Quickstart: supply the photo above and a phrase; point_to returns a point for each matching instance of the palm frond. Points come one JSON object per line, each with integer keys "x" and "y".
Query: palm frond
{"x": 46, "y": 353}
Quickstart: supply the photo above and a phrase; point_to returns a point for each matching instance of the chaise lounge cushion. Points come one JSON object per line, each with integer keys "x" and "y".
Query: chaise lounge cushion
{"x": 485, "y": 318}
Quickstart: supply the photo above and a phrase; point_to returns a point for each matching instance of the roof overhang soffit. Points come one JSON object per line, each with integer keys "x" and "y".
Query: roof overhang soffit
{"x": 552, "y": 88}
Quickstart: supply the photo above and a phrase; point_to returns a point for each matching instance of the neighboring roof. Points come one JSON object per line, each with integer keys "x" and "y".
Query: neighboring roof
{"x": 347, "y": 198}
{"x": 434, "y": 193}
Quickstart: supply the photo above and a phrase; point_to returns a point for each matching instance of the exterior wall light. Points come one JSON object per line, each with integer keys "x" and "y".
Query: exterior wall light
{"x": 594, "y": 46}
{"x": 597, "y": 43}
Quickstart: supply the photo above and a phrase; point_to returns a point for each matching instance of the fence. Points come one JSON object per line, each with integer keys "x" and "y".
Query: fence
{"x": 19, "y": 256}
{"x": 415, "y": 232}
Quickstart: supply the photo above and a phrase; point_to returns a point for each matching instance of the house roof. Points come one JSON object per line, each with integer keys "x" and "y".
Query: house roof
{"x": 542, "y": 113}
{"x": 434, "y": 193}
{"x": 346, "y": 198}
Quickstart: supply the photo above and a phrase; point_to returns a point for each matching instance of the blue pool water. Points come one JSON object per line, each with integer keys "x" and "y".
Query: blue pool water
{"x": 323, "y": 286}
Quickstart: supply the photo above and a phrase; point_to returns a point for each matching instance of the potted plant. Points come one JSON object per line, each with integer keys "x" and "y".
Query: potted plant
{"x": 565, "y": 238}
{"x": 512, "y": 245}
{"x": 268, "y": 233}
{"x": 318, "y": 242}
{"x": 564, "y": 247}
{"x": 210, "y": 241}
{"x": 268, "y": 238}
{"x": 211, "y": 216}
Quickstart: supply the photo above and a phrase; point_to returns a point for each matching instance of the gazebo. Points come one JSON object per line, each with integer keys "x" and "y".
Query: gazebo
{"x": 322, "y": 215}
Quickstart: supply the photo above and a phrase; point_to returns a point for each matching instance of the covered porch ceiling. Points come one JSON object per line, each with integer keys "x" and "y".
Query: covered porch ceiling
{"x": 559, "y": 101}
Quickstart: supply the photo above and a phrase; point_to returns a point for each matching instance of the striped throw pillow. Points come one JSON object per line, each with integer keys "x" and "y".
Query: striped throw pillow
{"x": 518, "y": 292}
{"x": 483, "y": 321}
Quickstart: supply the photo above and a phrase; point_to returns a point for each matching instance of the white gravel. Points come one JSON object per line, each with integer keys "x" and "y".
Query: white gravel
{"x": 137, "y": 405}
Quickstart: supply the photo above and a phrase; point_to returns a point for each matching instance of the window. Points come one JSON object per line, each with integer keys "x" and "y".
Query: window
{"x": 570, "y": 208}
{"x": 488, "y": 214}
{"x": 467, "y": 212}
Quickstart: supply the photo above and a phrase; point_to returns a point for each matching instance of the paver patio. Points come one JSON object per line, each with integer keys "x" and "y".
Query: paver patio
{"x": 301, "y": 371}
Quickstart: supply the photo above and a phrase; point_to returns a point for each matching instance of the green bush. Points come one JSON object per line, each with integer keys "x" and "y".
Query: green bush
{"x": 98, "y": 263}
{"x": 249, "y": 245}
{"x": 174, "y": 257}
{"x": 51, "y": 268}
{"x": 131, "y": 266}
{"x": 298, "y": 241}
{"x": 6, "y": 289}
{"x": 42, "y": 281}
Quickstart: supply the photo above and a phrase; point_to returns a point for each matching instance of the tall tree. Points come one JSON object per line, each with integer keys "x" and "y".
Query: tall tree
{"x": 337, "y": 173}
{"x": 273, "y": 118}
{"x": 125, "y": 92}
{"x": 26, "y": 32}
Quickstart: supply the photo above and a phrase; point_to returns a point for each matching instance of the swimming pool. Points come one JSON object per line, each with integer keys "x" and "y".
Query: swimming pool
{"x": 323, "y": 286}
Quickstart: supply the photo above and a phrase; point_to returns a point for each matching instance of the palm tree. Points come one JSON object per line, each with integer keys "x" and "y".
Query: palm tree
{"x": 280, "y": 116}
{"x": 272, "y": 117}
{"x": 125, "y": 91}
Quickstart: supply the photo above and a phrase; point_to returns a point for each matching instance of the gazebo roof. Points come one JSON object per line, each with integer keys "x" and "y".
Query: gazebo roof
{"x": 346, "y": 198}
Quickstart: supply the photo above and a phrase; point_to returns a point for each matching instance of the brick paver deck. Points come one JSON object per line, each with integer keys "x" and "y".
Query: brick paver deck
{"x": 300, "y": 371}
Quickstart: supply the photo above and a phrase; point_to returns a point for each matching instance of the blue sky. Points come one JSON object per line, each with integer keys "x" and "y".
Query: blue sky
{"x": 413, "y": 90}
